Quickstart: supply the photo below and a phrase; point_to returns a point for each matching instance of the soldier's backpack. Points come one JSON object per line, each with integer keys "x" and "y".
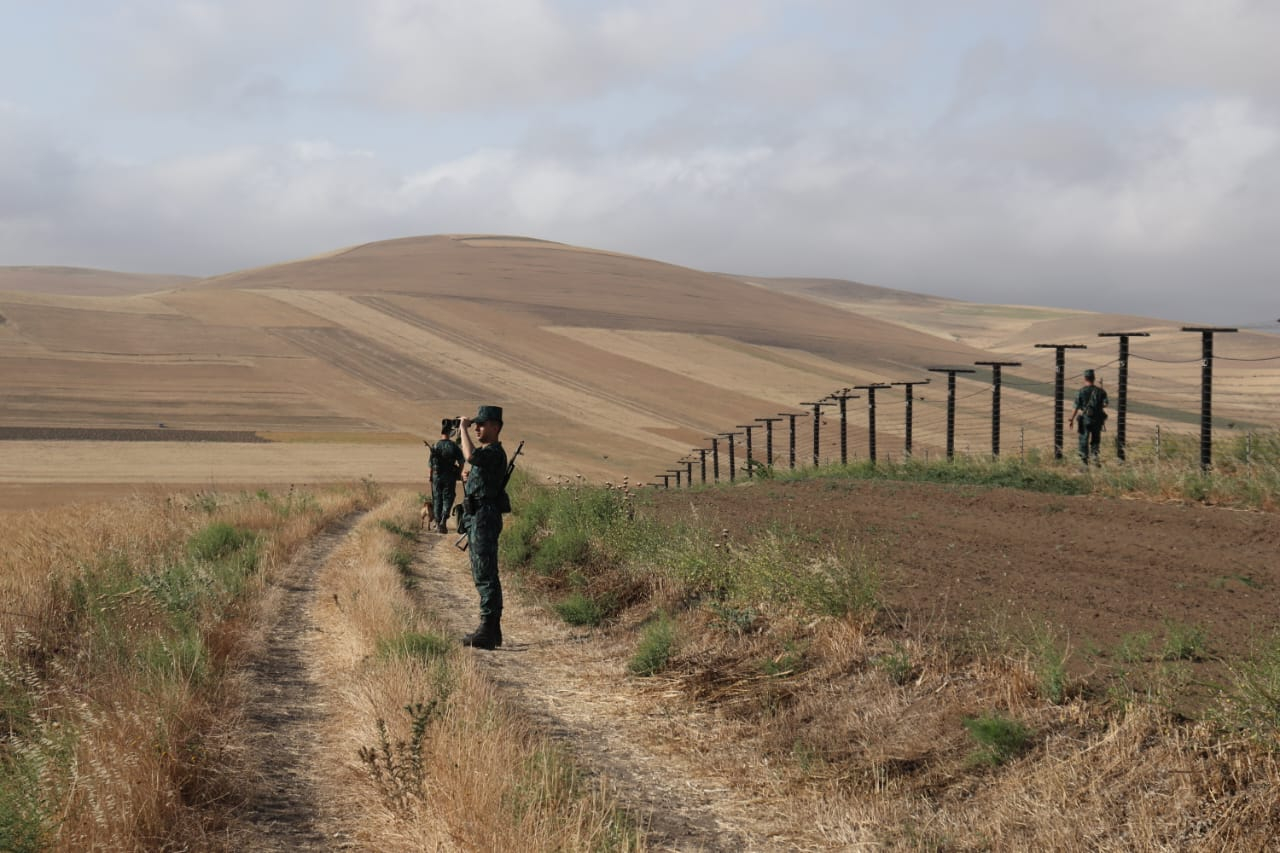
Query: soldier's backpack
{"x": 1093, "y": 410}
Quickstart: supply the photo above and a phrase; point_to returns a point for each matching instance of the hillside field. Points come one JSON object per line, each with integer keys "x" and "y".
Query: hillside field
{"x": 607, "y": 366}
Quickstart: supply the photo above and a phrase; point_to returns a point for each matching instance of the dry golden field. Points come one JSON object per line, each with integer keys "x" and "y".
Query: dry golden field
{"x": 607, "y": 365}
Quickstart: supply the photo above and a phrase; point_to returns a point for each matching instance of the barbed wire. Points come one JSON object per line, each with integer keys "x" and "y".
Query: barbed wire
{"x": 1165, "y": 360}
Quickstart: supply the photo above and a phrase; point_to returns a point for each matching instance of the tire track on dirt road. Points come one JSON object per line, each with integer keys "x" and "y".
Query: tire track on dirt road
{"x": 284, "y": 708}
{"x": 574, "y": 685}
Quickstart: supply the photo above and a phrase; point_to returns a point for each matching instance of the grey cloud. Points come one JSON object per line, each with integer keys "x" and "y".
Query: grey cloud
{"x": 1228, "y": 44}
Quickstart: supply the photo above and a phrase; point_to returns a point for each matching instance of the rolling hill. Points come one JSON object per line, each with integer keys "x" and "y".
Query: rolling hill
{"x": 607, "y": 365}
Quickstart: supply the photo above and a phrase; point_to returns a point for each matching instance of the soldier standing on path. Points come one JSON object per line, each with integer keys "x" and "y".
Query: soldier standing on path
{"x": 446, "y": 470}
{"x": 483, "y": 503}
{"x": 1091, "y": 408}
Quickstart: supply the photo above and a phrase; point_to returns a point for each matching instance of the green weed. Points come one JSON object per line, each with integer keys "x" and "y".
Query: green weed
{"x": 26, "y": 813}
{"x": 896, "y": 664}
{"x": 732, "y": 619}
{"x": 578, "y": 609}
{"x": 402, "y": 559}
{"x": 656, "y": 647}
{"x": 397, "y": 768}
{"x": 394, "y": 528}
{"x": 411, "y": 644}
{"x": 219, "y": 541}
{"x": 1049, "y": 661}
{"x": 1134, "y": 648}
{"x": 1183, "y": 642}
{"x": 788, "y": 662}
{"x": 1252, "y": 702}
{"x": 999, "y": 739}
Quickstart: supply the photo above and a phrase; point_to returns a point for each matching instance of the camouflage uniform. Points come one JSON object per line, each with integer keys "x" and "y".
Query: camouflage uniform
{"x": 446, "y": 470}
{"x": 483, "y": 505}
{"x": 1090, "y": 427}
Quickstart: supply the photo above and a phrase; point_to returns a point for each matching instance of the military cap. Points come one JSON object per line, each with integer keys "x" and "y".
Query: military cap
{"x": 488, "y": 413}
{"x": 1088, "y": 374}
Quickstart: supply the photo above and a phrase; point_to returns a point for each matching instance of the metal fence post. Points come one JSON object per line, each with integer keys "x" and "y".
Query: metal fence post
{"x": 1206, "y": 390}
{"x": 871, "y": 417}
{"x": 817, "y": 421}
{"x": 751, "y": 471}
{"x": 1059, "y": 375}
{"x": 732, "y": 464}
{"x": 910, "y": 395}
{"x": 951, "y": 404}
{"x": 995, "y": 401}
{"x": 842, "y": 397}
{"x": 1122, "y": 385}
{"x": 768, "y": 438}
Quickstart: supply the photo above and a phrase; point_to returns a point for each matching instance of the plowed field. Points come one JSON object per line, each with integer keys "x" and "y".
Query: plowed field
{"x": 1103, "y": 573}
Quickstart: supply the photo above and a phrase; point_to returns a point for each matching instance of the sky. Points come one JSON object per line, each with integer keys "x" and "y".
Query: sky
{"x": 1110, "y": 155}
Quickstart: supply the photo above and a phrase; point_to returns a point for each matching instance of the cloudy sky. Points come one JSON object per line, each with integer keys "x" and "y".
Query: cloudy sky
{"x": 1119, "y": 155}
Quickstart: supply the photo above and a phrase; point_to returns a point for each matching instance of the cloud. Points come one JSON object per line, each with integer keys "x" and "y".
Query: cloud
{"x": 1229, "y": 44}
{"x": 452, "y": 55}
{"x": 1078, "y": 154}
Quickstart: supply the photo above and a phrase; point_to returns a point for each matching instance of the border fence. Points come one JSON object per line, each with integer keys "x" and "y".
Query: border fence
{"x": 1016, "y": 407}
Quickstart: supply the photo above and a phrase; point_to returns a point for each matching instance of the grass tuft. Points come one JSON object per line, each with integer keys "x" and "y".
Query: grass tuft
{"x": 411, "y": 644}
{"x": 998, "y": 739}
{"x": 655, "y": 649}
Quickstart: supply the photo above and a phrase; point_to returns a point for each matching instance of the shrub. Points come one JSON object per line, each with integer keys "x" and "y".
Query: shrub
{"x": 655, "y": 649}
{"x": 578, "y": 609}
{"x": 560, "y": 549}
{"x": 218, "y": 541}
{"x": 896, "y": 664}
{"x": 999, "y": 739}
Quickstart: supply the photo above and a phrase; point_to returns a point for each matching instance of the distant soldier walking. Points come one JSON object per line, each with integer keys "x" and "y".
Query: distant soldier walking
{"x": 483, "y": 503}
{"x": 1091, "y": 409}
{"x": 446, "y": 470}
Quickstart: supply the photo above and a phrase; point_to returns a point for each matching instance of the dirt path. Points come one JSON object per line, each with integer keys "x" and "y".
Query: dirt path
{"x": 576, "y": 686}
{"x": 282, "y": 714}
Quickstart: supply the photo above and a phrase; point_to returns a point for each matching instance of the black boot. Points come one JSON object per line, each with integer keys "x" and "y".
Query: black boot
{"x": 488, "y": 636}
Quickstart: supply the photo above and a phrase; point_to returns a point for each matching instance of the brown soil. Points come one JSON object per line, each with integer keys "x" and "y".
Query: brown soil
{"x": 955, "y": 558}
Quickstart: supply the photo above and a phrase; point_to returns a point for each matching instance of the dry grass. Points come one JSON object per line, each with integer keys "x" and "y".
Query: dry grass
{"x": 858, "y": 722}
{"x": 864, "y": 752}
{"x": 478, "y": 777}
{"x": 114, "y": 661}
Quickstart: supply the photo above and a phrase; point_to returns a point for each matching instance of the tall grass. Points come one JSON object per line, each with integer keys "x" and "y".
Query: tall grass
{"x": 113, "y": 648}
{"x": 1245, "y": 471}
{"x": 595, "y": 540}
